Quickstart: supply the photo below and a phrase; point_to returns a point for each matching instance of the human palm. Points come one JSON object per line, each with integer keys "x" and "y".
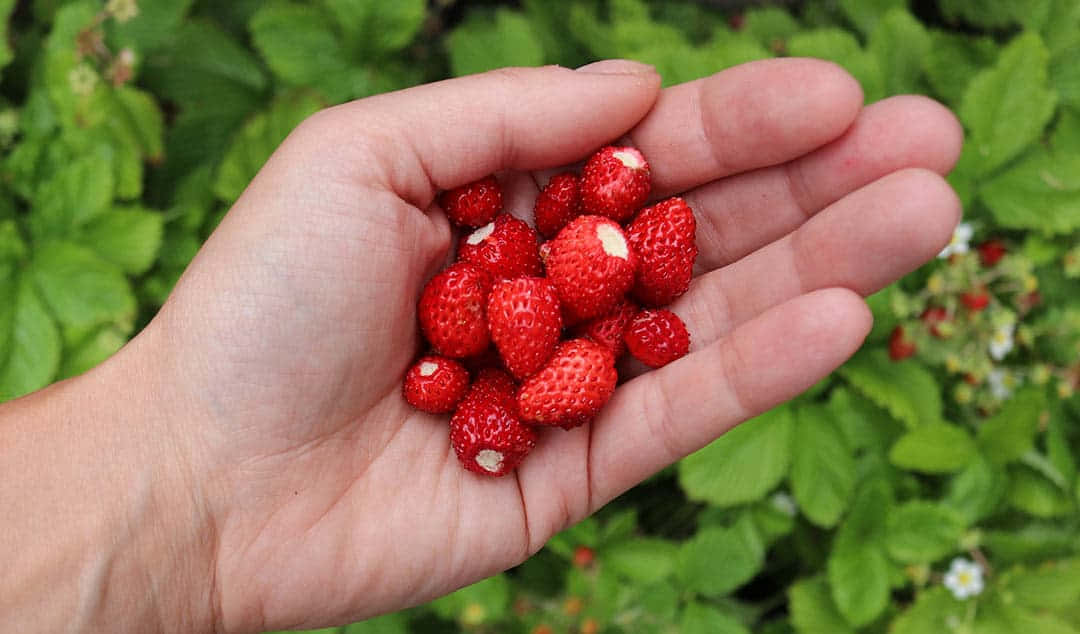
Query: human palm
{"x": 287, "y": 339}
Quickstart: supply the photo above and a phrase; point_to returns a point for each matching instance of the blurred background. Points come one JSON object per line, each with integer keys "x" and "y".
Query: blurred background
{"x": 928, "y": 486}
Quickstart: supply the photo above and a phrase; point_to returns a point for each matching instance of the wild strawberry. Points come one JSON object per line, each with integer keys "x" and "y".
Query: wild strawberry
{"x": 591, "y": 265}
{"x": 975, "y": 300}
{"x": 991, "y": 251}
{"x": 615, "y": 183}
{"x": 571, "y": 387}
{"x": 900, "y": 347}
{"x": 657, "y": 337}
{"x": 487, "y": 435}
{"x": 583, "y": 556}
{"x": 498, "y": 384}
{"x": 663, "y": 238}
{"x": 505, "y": 247}
{"x": 559, "y": 202}
{"x": 525, "y": 323}
{"x": 435, "y": 384}
{"x": 474, "y": 204}
{"x": 934, "y": 317}
{"x": 452, "y": 308}
{"x": 609, "y": 329}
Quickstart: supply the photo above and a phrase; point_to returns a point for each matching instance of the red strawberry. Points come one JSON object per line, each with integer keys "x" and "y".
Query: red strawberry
{"x": 498, "y": 384}
{"x": 591, "y": 265}
{"x": 452, "y": 308}
{"x": 583, "y": 556}
{"x": 657, "y": 337}
{"x": 975, "y": 300}
{"x": 571, "y": 388}
{"x": 991, "y": 251}
{"x": 525, "y": 323}
{"x": 615, "y": 183}
{"x": 900, "y": 347}
{"x": 933, "y": 316}
{"x": 663, "y": 237}
{"x": 474, "y": 204}
{"x": 487, "y": 435}
{"x": 506, "y": 247}
{"x": 558, "y": 203}
{"x": 608, "y": 330}
{"x": 435, "y": 384}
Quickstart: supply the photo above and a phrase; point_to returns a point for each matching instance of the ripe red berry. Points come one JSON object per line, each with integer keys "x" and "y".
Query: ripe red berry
{"x": 583, "y": 556}
{"x": 657, "y": 337}
{"x": 451, "y": 311}
{"x": 608, "y": 330}
{"x": 435, "y": 384}
{"x": 525, "y": 323}
{"x": 505, "y": 247}
{"x": 497, "y": 384}
{"x": 559, "y": 202}
{"x": 615, "y": 183}
{"x": 474, "y": 204}
{"x": 663, "y": 238}
{"x": 571, "y": 387}
{"x": 933, "y": 317}
{"x": 591, "y": 265}
{"x": 991, "y": 251}
{"x": 487, "y": 435}
{"x": 975, "y": 300}
{"x": 900, "y": 347}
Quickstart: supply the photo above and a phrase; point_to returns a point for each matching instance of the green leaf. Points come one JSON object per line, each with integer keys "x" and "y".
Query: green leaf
{"x": 953, "y": 59}
{"x": 129, "y": 237}
{"x": 1058, "y": 451}
{"x": 863, "y": 424}
{"x": 92, "y": 350}
{"x": 1065, "y": 74}
{"x": 984, "y": 13}
{"x": 258, "y": 140}
{"x": 80, "y": 288}
{"x": 705, "y": 619}
{"x": 374, "y": 28}
{"x": 1034, "y": 494}
{"x": 900, "y": 43}
{"x": 841, "y": 47}
{"x": 1010, "y": 433}
{"x": 934, "y": 448}
{"x": 6, "y": 54}
{"x": 1041, "y": 192}
{"x": 935, "y": 611}
{"x": 1053, "y": 585}
{"x": 72, "y": 197}
{"x": 770, "y": 26}
{"x": 140, "y": 114}
{"x": 976, "y": 491}
{"x": 822, "y": 469}
{"x": 1002, "y": 615}
{"x": 867, "y": 14}
{"x": 1066, "y": 133}
{"x": 717, "y": 560}
{"x": 483, "y": 42}
{"x": 1007, "y": 106}
{"x": 921, "y": 532}
{"x": 483, "y": 602}
{"x": 857, "y": 569}
{"x": 813, "y": 610}
{"x": 907, "y": 390}
{"x": 151, "y": 27}
{"x": 395, "y": 623}
{"x": 744, "y": 464}
{"x": 1032, "y": 541}
{"x": 33, "y": 348}
{"x": 644, "y": 560}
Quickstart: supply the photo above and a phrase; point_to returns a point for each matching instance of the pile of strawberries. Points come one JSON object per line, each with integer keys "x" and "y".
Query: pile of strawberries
{"x": 541, "y": 323}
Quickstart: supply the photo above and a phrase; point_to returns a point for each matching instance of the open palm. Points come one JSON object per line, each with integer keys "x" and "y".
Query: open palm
{"x": 286, "y": 341}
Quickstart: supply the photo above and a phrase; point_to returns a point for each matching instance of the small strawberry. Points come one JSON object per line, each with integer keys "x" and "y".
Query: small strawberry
{"x": 615, "y": 183}
{"x": 934, "y": 317}
{"x": 571, "y": 388}
{"x": 975, "y": 300}
{"x": 900, "y": 347}
{"x": 451, "y": 311}
{"x": 435, "y": 384}
{"x": 583, "y": 556}
{"x": 991, "y": 251}
{"x": 558, "y": 203}
{"x": 486, "y": 433}
{"x": 525, "y": 323}
{"x": 657, "y": 337}
{"x": 505, "y": 247}
{"x": 663, "y": 237}
{"x": 609, "y": 329}
{"x": 591, "y": 265}
{"x": 474, "y": 204}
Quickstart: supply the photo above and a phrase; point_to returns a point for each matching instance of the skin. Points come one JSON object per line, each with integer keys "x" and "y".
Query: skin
{"x": 247, "y": 462}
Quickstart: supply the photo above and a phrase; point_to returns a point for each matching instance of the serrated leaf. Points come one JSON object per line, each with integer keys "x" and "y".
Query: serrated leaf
{"x": 859, "y": 579}
{"x": 864, "y": 425}
{"x": 822, "y": 468}
{"x": 80, "y": 288}
{"x": 127, "y": 237}
{"x": 744, "y": 464}
{"x": 953, "y": 59}
{"x": 907, "y": 390}
{"x": 934, "y": 448}
{"x": 1000, "y": 615}
{"x": 841, "y": 47}
{"x": 33, "y": 349}
{"x": 813, "y": 610}
{"x": 644, "y": 560}
{"x": 73, "y": 197}
{"x": 258, "y": 139}
{"x": 374, "y": 28}
{"x": 900, "y": 43}
{"x": 1007, "y": 106}
{"x": 1035, "y": 495}
{"x": 1031, "y": 541}
{"x": 1010, "y": 433}
{"x": 934, "y": 611}
{"x": 921, "y": 532}
{"x": 867, "y": 14}
{"x": 976, "y": 491}
{"x": 1052, "y": 585}
{"x": 717, "y": 560}
{"x": 1058, "y": 450}
{"x": 705, "y": 619}
{"x": 151, "y": 26}
{"x": 1065, "y": 75}
{"x": 1042, "y": 192}
{"x": 483, "y": 42}
{"x": 138, "y": 111}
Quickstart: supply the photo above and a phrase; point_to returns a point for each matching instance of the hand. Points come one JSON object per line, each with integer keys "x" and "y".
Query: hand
{"x": 280, "y": 355}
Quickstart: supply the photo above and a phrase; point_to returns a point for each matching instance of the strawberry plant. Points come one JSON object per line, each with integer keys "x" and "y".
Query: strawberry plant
{"x": 929, "y": 485}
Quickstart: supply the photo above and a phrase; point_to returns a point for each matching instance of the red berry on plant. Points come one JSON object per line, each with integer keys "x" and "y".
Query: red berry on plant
{"x": 474, "y": 204}
{"x": 435, "y": 384}
{"x": 975, "y": 300}
{"x": 591, "y": 265}
{"x": 657, "y": 337}
{"x": 559, "y": 202}
{"x": 663, "y": 238}
{"x": 991, "y": 251}
{"x": 900, "y": 347}
{"x": 933, "y": 316}
{"x": 451, "y": 311}
{"x": 615, "y": 183}
{"x": 525, "y": 323}
{"x": 583, "y": 556}
{"x": 571, "y": 387}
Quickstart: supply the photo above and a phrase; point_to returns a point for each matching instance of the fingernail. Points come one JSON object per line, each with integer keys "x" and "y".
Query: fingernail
{"x": 616, "y": 67}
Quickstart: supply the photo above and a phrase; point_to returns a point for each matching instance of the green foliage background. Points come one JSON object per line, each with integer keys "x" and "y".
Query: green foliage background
{"x": 127, "y": 128}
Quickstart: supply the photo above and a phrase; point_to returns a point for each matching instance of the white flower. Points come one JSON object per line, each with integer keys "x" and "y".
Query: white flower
{"x": 1001, "y": 342}
{"x": 959, "y": 243}
{"x": 1001, "y": 383}
{"x": 784, "y": 503}
{"x": 964, "y": 579}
